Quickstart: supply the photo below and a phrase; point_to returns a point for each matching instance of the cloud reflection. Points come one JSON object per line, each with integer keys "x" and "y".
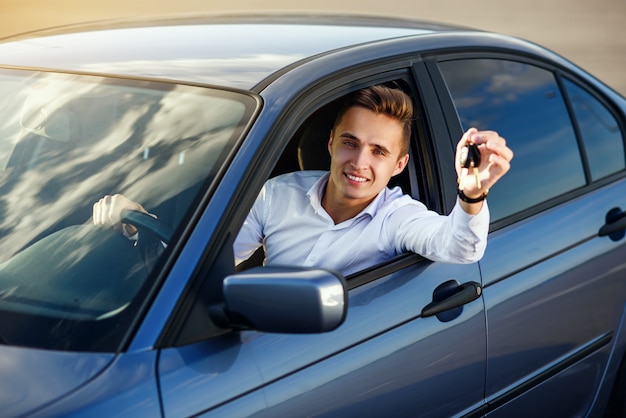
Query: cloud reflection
{"x": 50, "y": 180}
{"x": 241, "y": 72}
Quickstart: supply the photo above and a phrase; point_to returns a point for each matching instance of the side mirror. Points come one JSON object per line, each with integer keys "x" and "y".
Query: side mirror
{"x": 284, "y": 300}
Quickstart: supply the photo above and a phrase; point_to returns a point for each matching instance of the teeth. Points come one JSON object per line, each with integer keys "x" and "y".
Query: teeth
{"x": 355, "y": 178}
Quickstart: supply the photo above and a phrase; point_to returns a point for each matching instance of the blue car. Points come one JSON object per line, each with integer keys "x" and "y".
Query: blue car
{"x": 190, "y": 117}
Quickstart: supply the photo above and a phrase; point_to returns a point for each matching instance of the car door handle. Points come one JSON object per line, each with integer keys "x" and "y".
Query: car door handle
{"x": 615, "y": 224}
{"x": 464, "y": 293}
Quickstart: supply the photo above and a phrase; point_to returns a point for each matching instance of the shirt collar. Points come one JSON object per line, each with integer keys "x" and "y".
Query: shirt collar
{"x": 316, "y": 192}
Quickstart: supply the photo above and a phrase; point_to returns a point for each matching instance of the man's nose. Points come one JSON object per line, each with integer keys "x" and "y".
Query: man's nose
{"x": 360, "y": 159}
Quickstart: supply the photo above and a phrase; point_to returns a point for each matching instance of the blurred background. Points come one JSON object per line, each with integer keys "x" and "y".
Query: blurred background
{"x": 589, "y": 33}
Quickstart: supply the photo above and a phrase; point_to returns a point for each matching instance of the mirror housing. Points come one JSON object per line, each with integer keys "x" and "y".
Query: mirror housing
{"x": 284, "y": 300}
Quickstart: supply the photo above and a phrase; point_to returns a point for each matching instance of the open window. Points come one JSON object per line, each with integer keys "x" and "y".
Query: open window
{"x": 308, "y": 150}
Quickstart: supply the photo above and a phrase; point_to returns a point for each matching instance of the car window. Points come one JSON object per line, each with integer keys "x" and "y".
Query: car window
{"x": 600, "y": 132}
{"x": 307, "y": 151}
{"x": 524, "y": 104}
{"x": 68, "y": 140}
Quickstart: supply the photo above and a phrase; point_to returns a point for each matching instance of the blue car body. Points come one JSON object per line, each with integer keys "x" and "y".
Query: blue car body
{"x": 543, "y": 335}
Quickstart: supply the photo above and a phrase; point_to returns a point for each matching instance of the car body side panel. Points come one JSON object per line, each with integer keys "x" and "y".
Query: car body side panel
{"x": 127, "y": 388}
{"x": 579, "y": 380}
{"x": 199, "y": 376}
{"x": 554, "y": 287}
{"x": 38, "y": 376}
{"x": 408, "y": 371}
{"x": 383, "y": 352}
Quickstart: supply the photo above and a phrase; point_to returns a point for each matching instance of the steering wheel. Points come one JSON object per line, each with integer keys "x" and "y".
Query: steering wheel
{"x": 146, "y": 223}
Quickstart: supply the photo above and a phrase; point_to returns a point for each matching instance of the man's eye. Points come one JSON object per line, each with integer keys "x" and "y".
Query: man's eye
{"x": 379, "y": 152}
{"x": 349, "y": 144}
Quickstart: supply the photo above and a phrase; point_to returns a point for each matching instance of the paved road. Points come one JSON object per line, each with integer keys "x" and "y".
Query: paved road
{"x": 589, "y": 33}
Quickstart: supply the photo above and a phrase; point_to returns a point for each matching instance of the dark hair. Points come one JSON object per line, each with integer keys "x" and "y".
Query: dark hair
{"x": 384, "y": 100}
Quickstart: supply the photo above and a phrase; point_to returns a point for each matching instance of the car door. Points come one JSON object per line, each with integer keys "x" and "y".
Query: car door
{"x": 384, "y": 359}
{"x": 389, "y": 357}
{"x": 554, "y": 287}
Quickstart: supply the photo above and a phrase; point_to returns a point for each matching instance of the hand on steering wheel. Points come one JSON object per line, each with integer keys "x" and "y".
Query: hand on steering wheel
{"x": 145, "y": 222}
{"x": 126, "y": 216}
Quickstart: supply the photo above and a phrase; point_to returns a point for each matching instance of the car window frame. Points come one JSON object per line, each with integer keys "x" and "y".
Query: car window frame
{"x": 314, "y": 99}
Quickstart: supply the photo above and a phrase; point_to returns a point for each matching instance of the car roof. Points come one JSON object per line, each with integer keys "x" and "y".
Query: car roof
{"x": 232, "y": 51}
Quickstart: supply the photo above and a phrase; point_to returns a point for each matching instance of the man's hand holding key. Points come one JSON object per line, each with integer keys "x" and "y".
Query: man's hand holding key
{"x": 482, "y": 158}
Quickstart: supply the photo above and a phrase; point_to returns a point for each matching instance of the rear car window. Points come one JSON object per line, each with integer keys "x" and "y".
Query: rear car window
{"x": 524, "y": 104}
{"x": 601, "y": 134}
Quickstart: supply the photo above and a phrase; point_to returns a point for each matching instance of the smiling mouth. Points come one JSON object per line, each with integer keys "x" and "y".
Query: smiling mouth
{"x": 354, "y": 178}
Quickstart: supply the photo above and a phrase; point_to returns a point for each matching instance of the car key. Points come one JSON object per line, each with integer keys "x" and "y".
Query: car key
{"x": 469, "y": 159}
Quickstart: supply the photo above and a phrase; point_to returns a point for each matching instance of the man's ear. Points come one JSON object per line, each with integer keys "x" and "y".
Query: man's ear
{"x": 402, "y": 162}
{"x": 330, "y": 142}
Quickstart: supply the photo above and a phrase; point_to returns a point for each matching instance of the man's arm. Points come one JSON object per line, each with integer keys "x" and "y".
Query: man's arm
{"x": 460, "y": 237}
{"x": 250, "y": 237}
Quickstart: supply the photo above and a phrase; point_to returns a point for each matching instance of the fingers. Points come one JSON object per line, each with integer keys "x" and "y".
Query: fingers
{"x": 99, "y": 210}
{"x": 495, "y": 154}
{"x": 474, "y": 136}
{"x": 496, "y": 146}
{"x": 108, "y": 210}
{"x": 489, "y": 143}
{"x": 104, "y": 212}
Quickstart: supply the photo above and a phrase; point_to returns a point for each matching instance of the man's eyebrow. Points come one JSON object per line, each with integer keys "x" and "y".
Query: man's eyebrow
{"x": 349, "y": 136}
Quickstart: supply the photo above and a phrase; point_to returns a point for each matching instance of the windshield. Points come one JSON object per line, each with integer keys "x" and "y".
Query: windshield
{"x": 65, "y": 142}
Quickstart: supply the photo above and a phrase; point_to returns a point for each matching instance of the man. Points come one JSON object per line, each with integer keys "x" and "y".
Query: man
{"x": 347, "y": 219}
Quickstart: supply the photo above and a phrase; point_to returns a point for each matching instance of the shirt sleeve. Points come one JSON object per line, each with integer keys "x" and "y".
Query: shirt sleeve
{"x": 251, "y": 236}
{"x": 456, "y": 238}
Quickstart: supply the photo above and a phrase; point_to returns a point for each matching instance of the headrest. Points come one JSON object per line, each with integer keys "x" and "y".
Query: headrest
{"x": 314, "y": 135}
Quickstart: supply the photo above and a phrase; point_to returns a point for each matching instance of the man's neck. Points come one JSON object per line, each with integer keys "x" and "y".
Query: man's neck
{"x": 341, "y": 209}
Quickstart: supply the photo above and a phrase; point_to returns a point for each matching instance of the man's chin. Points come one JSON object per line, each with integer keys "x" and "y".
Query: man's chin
{"x": 359, "y": 195}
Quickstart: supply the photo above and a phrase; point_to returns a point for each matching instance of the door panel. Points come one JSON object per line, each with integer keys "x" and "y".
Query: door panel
{"x": 554, "y": 290}
{"x": 409, "y": 371}
{"x": 564, "y": 302}
{"x": 579, "y": 381}
{"x": 384, "y": 354}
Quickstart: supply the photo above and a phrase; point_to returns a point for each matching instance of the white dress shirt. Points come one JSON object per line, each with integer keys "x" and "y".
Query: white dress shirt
{"x": 289, "y": 220}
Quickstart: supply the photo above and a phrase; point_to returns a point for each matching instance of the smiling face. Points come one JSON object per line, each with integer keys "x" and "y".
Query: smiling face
{"x": 366, "y": 150}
